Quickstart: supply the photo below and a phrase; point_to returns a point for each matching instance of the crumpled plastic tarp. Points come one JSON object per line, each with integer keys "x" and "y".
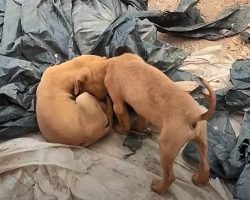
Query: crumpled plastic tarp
{"x": 237, "y": 98}
{"x": 245, "y": 35}
{"x": 229, "y": 157}
{"x": 189, "y": 22}
{"x": 44, "y": 170}
{"x": 37, "y": 34}
{"x": 226, "y": 24}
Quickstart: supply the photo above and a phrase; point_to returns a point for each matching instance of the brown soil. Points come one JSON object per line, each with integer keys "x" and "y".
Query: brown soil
{"x": 233, "y": 46}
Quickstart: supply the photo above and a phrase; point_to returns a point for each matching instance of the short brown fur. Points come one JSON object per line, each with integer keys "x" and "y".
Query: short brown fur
{"x": 69, "y": 107}
{"x": 155, "y": 98}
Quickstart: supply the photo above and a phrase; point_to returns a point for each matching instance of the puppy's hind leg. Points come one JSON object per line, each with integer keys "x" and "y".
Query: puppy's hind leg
{"x": 201, "y": 177}
{"x": 171, "y": 140}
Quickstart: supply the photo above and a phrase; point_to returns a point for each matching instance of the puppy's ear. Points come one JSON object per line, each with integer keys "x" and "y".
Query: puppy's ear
{"x": 77, "y": 87}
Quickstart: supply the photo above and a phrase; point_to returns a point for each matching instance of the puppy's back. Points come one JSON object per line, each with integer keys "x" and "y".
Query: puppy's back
{"x": 148, "y": 90}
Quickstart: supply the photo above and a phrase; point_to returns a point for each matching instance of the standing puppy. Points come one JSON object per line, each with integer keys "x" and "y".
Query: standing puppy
{"x": 157, "y": 99}
{"x": 68, "y": 107}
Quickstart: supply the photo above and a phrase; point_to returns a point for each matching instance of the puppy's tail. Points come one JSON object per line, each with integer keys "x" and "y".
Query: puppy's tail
{"x": 212, "y": 102}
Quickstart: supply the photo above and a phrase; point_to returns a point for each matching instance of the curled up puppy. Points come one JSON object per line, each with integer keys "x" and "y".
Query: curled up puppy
{"x": 158, "y": 100}
{"x": 72, "y": 105}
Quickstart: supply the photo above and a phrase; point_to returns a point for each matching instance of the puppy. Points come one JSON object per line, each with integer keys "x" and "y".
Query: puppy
{"x": 66, "y": 117}
{"x": 157, "y": 99}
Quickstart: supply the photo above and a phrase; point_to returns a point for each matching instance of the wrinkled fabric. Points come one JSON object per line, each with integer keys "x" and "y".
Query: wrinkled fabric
{"x": 37, "y": 34}
{"x": 210, "y": 64}
{"x": 43, "y": 170}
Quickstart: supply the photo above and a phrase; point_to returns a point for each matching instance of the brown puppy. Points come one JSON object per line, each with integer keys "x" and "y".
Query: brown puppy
{"x": 157, "y": 99}
{"x": 64, "y": 118}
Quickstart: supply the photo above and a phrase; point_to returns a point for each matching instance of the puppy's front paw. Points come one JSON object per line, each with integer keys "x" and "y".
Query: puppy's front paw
{"x": 158, "y": 186}
{"x": 120, "y": 129}
{"x": 199, "y": 179}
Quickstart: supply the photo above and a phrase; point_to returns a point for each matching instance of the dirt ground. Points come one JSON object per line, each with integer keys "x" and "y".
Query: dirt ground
{"x": 233, "y": 46}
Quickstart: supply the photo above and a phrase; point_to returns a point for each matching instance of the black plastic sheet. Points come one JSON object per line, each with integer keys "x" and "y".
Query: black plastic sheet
{"x": 220, "y": 144}
{"x": 36, "y": 34}
{"x": 237, "y": 98}
{"x": 229, "y": 157}
{"x": 133, "y": 32}
{"x": 245, "y": 35}
{"x": 91, "y": 18}
{"x": 190, "y": 24}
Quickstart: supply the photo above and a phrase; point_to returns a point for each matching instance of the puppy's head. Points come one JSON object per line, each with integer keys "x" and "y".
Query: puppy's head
{"x": 91, "y": 77}
{"x": 95, "y": 88}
